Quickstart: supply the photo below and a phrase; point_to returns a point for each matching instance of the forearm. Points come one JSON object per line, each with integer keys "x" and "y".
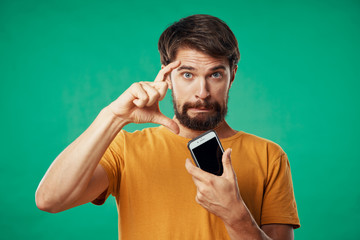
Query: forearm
{"x": 242, "y": 225}
{"x": 69, "y": 175}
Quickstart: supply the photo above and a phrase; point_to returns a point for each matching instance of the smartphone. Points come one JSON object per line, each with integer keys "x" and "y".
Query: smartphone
{"x": 206, "y": 151}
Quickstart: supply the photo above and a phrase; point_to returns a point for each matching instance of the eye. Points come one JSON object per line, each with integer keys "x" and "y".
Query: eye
{"x": 187, "y": 75}
{"x": 216, "y": 75}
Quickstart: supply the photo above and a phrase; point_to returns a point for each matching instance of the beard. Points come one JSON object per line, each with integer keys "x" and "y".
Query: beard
{"x": 202, "y": 121}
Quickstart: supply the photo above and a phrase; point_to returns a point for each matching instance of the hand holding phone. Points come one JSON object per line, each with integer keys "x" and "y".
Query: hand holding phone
{"x": 206, "y": 151}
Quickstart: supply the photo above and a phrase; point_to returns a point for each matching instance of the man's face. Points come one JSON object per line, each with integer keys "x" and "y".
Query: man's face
{"x": 200, "y": 89}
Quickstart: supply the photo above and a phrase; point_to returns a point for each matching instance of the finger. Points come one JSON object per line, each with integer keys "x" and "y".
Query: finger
{"x": 140, "y": 95}
{"x": 166, "y": 70}
{"x": 202, "y": 187}
{"x": 153, "y": 94}
{"x": 161, "y": 87}
{"x": 196, "y": 172}
{"x": 199, "y": 198}
{"x": 160, "y": 118}
{"x": 163, "y": 90}
{"x": 226, "y": 161}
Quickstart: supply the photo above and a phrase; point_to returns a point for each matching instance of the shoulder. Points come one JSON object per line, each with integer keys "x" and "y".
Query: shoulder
{"x": 262, "y": 142}
{"x": 255, "y": 145}
{"x": 252, "y": 141}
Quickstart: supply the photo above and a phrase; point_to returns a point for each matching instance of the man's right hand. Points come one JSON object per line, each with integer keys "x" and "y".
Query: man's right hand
{"x": 76, "y": 177}
{"x": 140, "y": 102}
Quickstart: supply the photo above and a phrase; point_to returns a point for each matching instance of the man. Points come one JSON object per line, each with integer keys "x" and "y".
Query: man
{"x": 157, "y": 197}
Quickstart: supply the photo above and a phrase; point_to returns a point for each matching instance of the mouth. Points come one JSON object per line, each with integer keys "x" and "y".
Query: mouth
{"x": 200, "y": 110}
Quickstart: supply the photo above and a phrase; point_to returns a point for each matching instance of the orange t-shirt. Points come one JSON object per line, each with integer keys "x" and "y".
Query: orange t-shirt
{"x": 155, "y": 195}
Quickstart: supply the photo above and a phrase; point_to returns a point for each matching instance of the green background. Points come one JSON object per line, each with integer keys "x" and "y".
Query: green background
{"x": 61, "y": 62}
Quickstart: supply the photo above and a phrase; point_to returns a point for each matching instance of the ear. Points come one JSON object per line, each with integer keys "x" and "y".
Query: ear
{"x": 233, "y": 75}
{"x": 168, "y": 78}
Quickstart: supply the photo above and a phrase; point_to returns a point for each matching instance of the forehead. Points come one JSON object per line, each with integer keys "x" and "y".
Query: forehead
{"x": 199, "y": 60}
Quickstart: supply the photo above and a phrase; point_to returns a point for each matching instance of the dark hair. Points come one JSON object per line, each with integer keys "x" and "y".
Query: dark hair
{"x": 201, "y": 32}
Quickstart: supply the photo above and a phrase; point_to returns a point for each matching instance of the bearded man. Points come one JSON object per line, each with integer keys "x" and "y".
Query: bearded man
{"x": 157, "y": 197}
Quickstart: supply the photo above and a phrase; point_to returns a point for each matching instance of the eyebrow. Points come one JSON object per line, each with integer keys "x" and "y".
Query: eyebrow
{"x": 184, "y": 67}
{"x": 218, "y": 67}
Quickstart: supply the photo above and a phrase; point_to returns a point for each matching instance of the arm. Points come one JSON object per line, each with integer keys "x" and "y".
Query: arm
{"x": 220, "y": 195}
{"x": 75, "y": 177}
{"x": 66, "y": 184}
{"x": 246, "y": 228}
{"x": 279, "y": 231}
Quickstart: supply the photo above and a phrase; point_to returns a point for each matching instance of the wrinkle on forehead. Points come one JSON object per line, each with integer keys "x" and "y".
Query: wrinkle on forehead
{"x": 195, "y": 60}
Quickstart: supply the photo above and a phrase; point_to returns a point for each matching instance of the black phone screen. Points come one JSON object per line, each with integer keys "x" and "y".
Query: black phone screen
{"x": 209, "y": 157}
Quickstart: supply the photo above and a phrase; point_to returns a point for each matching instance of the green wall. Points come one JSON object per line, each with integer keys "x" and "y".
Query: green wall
{"x": 61, "y": 62}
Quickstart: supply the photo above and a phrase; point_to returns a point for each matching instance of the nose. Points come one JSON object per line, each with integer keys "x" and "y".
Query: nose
{"x": 202, "y": 91}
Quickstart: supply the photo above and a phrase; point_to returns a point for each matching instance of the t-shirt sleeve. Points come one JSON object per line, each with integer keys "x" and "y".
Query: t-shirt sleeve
{"x": 279, "y": 206}
{"x": 112, "y": 162}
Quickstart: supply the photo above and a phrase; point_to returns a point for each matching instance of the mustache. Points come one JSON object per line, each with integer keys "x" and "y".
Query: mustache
{"x": 202, "y": 104}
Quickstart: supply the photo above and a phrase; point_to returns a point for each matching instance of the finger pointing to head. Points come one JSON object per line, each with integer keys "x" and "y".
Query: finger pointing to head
{"x": 163, "y": 73}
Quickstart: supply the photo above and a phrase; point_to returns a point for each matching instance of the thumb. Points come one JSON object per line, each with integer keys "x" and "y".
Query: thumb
{"x": 226, "y": 161}
{"x": 160, "y": 118}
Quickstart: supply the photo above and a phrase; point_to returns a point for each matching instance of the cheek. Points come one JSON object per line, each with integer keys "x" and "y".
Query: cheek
{"x": 220, "y": 92}
{"x": 181, "y": 88}
{"x": 178, "y": 93}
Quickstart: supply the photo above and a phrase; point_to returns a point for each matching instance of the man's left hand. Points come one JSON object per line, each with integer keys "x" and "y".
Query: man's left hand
{"x": 218, "y": 194}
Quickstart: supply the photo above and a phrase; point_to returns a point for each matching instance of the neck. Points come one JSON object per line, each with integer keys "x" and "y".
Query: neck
{"x": 223, "y": 130}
